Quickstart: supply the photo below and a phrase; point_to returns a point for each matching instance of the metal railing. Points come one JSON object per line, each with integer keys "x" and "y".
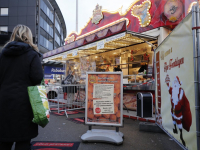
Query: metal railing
{"x": 63, "y": 98}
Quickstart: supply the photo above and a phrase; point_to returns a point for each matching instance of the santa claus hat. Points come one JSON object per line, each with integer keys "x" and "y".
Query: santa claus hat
{"x": 180, "y": 82}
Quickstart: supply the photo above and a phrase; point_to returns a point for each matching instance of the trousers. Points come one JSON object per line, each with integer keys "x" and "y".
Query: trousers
{"x": 21, "y": 145}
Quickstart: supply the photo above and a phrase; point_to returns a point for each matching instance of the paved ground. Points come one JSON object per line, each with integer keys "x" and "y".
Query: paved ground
{"x": 60, "y": 129}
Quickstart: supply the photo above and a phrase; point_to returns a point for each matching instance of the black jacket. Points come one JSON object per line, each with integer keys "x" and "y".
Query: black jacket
{"x": 20, "y": 67}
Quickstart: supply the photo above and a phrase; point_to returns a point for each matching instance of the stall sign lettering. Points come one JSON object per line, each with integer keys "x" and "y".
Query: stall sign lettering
{"x": 48, "y": 76}
{"x": 172, "y": 64}
{"x": 53, "y": 70}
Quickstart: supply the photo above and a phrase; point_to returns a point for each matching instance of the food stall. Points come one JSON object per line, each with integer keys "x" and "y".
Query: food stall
{"x": 122, "y": 41}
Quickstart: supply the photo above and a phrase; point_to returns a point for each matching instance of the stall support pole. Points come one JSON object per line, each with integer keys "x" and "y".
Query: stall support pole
{"x": 198, "y": 77}
{"x": 196, "y": 46}
{"x": 154, "y": 61}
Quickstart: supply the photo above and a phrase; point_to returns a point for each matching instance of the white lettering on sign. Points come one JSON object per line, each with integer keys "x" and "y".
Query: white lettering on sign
{"x": 74, "y": 52}
{"x": 64, "y": 56}
{"x": 48, "y": 75}
{"x": 100, "y": 44}
{"x": 57, "y": 70}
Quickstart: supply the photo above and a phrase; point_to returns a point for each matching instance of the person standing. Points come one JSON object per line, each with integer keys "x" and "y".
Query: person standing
{"x": 20, "y": 67}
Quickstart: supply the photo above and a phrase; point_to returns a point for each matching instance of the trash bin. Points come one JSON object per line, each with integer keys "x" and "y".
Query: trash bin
{"x": 144, "y": 105}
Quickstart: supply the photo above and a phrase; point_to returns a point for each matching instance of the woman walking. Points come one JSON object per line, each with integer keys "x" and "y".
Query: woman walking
{"x": 20, "y": 67}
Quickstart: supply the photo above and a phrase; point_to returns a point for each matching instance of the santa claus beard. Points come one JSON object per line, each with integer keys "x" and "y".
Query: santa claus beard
{"x": 175, "y": 92}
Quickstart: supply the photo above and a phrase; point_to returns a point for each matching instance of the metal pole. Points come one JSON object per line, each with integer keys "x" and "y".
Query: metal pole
{"x": 195, "y": 44}
{"x": 155, "y": 82}
{"x": 198, "y": 76}
{"x": 77, "y": 16}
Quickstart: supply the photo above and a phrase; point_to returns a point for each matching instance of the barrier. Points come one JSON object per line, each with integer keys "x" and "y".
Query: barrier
{"x": 66, "y": 97}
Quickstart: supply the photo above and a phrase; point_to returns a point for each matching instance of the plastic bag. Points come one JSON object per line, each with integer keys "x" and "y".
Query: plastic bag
{"x": 39, "y": 104}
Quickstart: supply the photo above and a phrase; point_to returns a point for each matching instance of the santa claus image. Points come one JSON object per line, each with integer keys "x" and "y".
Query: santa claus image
{"x": 180, "y": 107}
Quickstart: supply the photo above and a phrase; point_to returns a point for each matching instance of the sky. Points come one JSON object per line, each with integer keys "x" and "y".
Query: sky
{"x": 85, "y": 9}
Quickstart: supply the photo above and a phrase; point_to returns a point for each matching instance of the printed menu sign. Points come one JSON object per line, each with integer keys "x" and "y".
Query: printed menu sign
{"x": 106, "y": 94}
{"x": 104, "y": 98}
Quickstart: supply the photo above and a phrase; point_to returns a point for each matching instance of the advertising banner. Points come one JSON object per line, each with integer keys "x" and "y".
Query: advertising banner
{"x": 175, "y": 93}
{"x": 104, "y": 100}
{"x": 53, "y": 70}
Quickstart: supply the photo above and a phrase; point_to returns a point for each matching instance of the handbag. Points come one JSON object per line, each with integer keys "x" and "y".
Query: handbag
{"x": 39, "y": 104}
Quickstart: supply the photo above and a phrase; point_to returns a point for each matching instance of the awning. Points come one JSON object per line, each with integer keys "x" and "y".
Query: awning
{"x": 52, "y": 63}
{"x": 116, "y": 42}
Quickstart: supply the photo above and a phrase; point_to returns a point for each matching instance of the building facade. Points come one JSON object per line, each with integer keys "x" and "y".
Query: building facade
{"x": 43, "y": 17}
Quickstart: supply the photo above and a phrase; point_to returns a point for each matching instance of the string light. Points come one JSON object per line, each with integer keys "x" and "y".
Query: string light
{"x": 190, "y": 7}
{"x": 145, "y": 23}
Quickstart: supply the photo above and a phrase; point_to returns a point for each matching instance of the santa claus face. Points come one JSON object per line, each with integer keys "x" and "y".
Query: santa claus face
{"x": 176, "y": 83}
{"x": 175, "y": 91}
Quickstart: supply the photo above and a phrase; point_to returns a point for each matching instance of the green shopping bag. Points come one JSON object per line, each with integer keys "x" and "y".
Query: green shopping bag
{"x": 39, "y": 104}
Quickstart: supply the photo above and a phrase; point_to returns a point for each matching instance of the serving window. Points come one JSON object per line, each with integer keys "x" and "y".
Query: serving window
{"x": 131, "y": 54}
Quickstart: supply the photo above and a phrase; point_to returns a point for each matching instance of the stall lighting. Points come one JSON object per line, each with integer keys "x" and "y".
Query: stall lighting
{"x": 101, "y": 28}
{"x": 146, "y": 23}
{"x": 190, "y": 7}
{"x": 111, "y": 12}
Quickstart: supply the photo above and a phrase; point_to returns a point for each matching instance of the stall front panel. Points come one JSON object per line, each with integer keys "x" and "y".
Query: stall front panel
{"x": 175, "y": 92}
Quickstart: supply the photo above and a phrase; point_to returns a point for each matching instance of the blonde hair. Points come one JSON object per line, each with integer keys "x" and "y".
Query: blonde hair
{"x": 22, "y": 33}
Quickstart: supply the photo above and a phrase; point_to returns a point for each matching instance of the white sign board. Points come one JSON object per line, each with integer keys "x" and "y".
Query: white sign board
{"x": 100, "y": 44}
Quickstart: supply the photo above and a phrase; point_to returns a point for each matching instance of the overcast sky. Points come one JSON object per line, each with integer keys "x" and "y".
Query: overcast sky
{"x": 85, "y": 8}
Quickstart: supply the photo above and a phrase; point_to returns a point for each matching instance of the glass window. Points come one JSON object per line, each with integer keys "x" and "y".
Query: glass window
{"x": 46, "y": 43}
{"x": 4, "y": 28}
{"x": 46, "y": 10}
{"x": 3, "y": 11}
{"x": 46, "y": 26}
{"x": 57, "y": 39}
{"x": 57, "y": 26}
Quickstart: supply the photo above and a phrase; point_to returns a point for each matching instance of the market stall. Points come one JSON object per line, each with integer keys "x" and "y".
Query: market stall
{"x": 116, "y": 41}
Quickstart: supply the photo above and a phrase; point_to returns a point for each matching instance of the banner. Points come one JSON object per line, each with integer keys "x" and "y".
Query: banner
{"x": 175, "y": 94}
{"x": 53, "y": 70}
{"x": 104, "y": 98}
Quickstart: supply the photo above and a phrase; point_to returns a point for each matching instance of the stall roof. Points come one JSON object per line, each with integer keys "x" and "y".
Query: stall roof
{"x": 52, "y": 63}
{"x": 118, "y": 41}
{"x": 109, "y": 34}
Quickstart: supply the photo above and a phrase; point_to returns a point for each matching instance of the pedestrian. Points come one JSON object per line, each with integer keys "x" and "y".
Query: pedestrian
{"x": 20, "y": 67}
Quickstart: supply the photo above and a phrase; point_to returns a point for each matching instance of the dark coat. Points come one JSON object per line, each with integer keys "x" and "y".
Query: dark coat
{"x": 20, "y": 67}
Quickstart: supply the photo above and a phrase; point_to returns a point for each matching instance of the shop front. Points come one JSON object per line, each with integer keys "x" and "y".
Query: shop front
{"x": 116, "y": 41}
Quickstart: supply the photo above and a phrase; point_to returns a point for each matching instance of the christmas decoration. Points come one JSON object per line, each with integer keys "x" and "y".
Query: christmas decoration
{"x": 146, "y": 56}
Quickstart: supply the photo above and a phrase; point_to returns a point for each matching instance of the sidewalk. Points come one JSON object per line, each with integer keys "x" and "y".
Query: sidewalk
{"x": 60, "y": 129}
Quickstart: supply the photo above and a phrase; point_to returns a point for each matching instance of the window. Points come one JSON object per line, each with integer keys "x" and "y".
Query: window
{"x": 46, "y": 10}
{"x": 4, "y": 28}
{"x": 57, "y": 26}
{"x": 46, "y": 26}
{"x": 46, "y": 43}
{"x": 57, "y": 39}
{"x": 3, "y": 11}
